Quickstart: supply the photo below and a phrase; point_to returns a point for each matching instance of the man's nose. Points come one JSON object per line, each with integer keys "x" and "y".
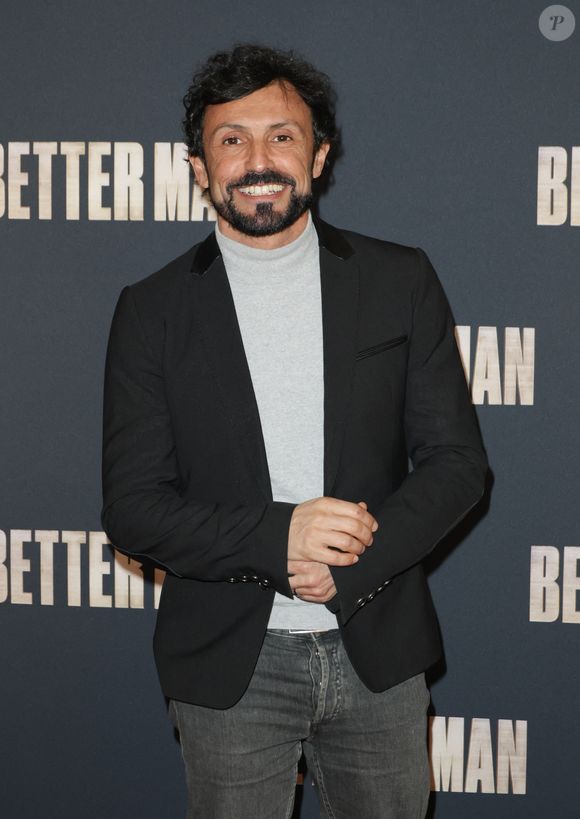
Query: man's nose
{"x": 258, "y": 156}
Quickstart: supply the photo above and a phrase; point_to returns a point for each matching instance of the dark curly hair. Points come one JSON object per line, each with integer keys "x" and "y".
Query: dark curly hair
{"x": 229, "y": 75}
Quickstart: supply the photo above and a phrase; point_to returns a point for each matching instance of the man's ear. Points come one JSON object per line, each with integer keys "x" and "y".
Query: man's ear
{"x": 320, "y": 159}
{"x": 199, "y": 172}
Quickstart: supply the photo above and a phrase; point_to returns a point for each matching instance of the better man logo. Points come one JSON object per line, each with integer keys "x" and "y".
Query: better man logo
{"x": 72, "y": 568}
{"x": 498, "y": 374}
{"x": 476, "y": 761}
{"x": 99, "y": 181}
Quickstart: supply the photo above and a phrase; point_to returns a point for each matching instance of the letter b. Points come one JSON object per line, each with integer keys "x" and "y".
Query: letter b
{"x": 552, "y": 194}
{"x": 544, "y": 588}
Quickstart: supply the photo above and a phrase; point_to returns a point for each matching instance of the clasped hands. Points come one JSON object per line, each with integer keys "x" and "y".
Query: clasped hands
{"x": 325, "y": 532}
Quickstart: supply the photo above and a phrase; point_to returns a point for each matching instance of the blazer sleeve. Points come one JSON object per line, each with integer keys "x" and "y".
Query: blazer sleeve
{"x": 445, "y": 448}
{"x": 143, "y": 511}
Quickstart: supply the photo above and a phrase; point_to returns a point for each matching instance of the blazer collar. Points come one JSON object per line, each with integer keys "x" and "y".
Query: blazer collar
{"x": 328, "y": 237}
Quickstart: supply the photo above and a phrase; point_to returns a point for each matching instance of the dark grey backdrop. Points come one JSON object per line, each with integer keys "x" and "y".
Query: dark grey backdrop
{"x": 443, "y": 107}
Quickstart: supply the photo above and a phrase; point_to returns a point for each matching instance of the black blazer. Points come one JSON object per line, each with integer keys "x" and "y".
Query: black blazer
{"x": 185, "y": 475}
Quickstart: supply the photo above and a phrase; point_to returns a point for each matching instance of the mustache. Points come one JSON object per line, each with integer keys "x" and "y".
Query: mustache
{"x": 268, "y": 177}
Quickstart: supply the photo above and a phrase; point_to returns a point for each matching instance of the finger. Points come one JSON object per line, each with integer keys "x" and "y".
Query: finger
{"x": 333, "y": 558}
{"x": 356, "y": 521}
{"x": 350, "y": 509}
{"x": 303, "y": 583}
{"x": 298, "y": 567}
{"x": 315, "y": 581}
{"x": 311, "y": 595}
{"x": 298, "y": 580}
{"x": 308, "y": 599}
{"x": 344, "y": 540}
{"x": 322, "y": 596}
{"x": 315, "y": 574}
{"x": 355, "y": 527}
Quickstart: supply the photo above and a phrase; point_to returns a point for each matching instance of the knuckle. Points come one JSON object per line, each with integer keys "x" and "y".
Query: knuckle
{"x": 344, "y": 540}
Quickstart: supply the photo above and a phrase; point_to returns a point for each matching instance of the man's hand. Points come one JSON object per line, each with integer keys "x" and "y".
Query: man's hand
{"x": 330, "y": 531}
{"x": 311, "y": 581}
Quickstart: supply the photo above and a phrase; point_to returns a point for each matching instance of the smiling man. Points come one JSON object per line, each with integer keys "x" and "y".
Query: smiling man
{"x": 259, "y": 168}
{"x": 264, "y": 393}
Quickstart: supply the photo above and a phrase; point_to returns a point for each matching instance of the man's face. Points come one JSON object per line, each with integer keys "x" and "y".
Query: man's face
{"x": 260, "y": 162}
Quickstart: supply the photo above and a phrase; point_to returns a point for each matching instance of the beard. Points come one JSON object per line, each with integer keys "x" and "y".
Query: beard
{"x": 265, "y": 220}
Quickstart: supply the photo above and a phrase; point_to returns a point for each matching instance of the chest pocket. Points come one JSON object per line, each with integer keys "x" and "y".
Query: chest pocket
{"x": 381, "y": 347}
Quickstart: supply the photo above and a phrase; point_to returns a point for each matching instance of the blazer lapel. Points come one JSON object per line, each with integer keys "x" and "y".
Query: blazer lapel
{"x": 339, "y": 279}
{"x": 225, "y": 350}
{"x": 225, "y": 353}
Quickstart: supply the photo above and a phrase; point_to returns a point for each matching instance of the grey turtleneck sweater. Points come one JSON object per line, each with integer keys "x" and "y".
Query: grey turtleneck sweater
{"x": 278, "y": 304}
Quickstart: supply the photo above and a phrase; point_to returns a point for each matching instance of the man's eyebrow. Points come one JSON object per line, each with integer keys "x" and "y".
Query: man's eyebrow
{"x": 236, "y": 126}
{"x": 286, "y": 123}
{"x": 227, "y": 125}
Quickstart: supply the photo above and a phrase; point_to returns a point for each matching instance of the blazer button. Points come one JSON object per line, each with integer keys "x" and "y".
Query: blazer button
{"x": 232, "y": 579}
{"x": 370, "y": 596}
{"x": 255, "y": 578}
{"x": 360, "y": 602}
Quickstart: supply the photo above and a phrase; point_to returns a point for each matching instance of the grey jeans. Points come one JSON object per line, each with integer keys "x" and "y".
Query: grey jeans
{"x": 367, "y": 752}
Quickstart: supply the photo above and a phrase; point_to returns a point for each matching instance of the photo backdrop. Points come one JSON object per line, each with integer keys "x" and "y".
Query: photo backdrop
{"x": 461, "y": 129}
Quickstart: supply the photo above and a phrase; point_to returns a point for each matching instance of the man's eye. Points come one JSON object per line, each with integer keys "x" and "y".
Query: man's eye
{"x": 283, "y": 138}
{"x": 233, "y": 140}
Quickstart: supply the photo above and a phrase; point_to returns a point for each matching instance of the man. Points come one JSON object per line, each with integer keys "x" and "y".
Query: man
{"x": 264, "y": 393}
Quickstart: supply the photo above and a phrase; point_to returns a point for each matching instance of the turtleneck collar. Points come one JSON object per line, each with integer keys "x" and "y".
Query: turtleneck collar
{"x": 233, "y": 250}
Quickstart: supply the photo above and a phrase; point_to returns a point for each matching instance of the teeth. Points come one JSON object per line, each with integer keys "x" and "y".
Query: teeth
{"x": 261, "y": 190}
